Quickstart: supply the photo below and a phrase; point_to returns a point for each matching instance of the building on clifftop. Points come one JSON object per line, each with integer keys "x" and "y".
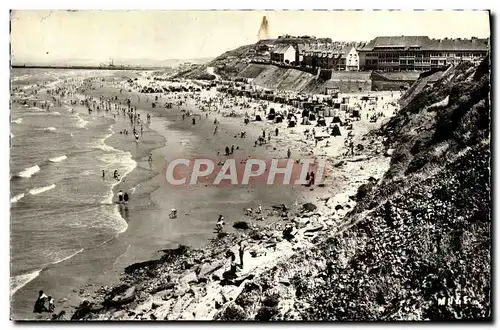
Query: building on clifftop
{"x": 402, "y": 53}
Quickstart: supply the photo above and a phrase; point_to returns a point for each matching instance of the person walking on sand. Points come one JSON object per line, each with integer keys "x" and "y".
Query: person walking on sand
{"x": 277, "y": 131}
{"x": 288, "y": 153}
{"x": 103, "y": 174}
{"x": 125, "y": 197}
{"x": 194, "y": 121}
{"x": 232, "y": 149}
{"x": 150, "y": 158}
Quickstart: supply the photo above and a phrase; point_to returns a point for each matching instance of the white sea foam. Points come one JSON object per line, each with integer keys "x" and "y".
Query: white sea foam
{"x": 50, "y": 129}
{"x": 67, "y": 257}
{"x": 81, "y": 122}
{"x": 11, "y": 135}
{"x": 58, "y": 159}
{"x": 17, "y": 121}
{"x": 16, "y": 198}
{"x": 36, "y": 191}
{"x": 17, "y": 282}
{"x": 29, "y": 171}
{"x": 55, "y": 113}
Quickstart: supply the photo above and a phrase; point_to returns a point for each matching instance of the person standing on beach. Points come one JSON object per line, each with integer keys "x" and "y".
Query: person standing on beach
{"x": 125, "y": 198}
{"x": 288, "y": 153}
{"x": 242, "y": 252}
{"x": 120, "y": 196}
{"x": 103, "y": 174}
{"x": 232, "y": 149}
{"x": 311, "y": 179}
{"x": 277, "y": 131}
{"x": 220, "y": 224}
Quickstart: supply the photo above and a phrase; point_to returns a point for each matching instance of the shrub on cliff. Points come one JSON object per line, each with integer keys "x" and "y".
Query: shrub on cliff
{"x": 233, "y": 312}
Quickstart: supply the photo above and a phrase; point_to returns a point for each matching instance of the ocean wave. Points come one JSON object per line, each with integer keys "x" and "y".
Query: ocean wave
{"x": 16, "y": 198}
{"x": 11, "y": 135}
{"x": 50, "y": 129}
{"x": 67, "y": 257}
{"x": 120, "y": 160}
{"x": 58, "y": 159}
{"x": 36, "y": 191}
{"x": 17, "y": 121}
{"x": 81, "y": 122}
{"x": 18, "y": 281}
{"x": 37, "y": 109}
{"x": 29, "y": 171}
{"x": 55, "y": 113}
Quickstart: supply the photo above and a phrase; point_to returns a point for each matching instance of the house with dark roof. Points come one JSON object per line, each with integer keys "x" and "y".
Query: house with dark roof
{"x": 340, "y": 57}
{"x": 401, "y": 53}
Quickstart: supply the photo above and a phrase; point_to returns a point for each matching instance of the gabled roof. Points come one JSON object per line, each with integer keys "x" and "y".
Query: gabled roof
{"x": 281, "y": 49}
{"x": 345, "y": 51}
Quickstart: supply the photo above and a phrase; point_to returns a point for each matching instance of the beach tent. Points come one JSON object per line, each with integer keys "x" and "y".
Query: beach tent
{"x": 271, "y": 116}
{"x": 279, "y": 119}
{"x": 355, "y": 113}
{"x": 305, "y": 113}
{"x": 336, "y": 119}
{"x": 336, "y": 131}
{"x": 312, "y": 116}
{"x": 292, "y": 122}
{"x": 321, "y": 121}
{"x": 258, "y": 118}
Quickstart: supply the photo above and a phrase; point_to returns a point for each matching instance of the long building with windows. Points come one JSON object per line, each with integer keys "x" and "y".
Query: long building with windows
{"x": 402, "y": 53}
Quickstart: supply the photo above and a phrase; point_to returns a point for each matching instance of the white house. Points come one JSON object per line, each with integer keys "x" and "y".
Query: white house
{"x": 284, "y": 54}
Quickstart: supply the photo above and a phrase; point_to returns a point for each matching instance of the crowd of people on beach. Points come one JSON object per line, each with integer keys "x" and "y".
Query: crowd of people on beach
{"x": 220, "y": 105}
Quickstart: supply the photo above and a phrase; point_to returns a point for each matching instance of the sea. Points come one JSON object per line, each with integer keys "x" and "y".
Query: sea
{"x": 60, "y": 204}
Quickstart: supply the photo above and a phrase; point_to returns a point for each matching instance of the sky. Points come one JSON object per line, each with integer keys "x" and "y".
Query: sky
{"x": 97, "y": 36}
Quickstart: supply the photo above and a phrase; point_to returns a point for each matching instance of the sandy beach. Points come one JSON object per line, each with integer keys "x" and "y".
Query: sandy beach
{"x": 168, "y": 137}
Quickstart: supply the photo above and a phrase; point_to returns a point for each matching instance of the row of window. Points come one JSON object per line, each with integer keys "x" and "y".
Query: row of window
{"x": 422, "y": 54}
{"x": 410, "y": 62}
